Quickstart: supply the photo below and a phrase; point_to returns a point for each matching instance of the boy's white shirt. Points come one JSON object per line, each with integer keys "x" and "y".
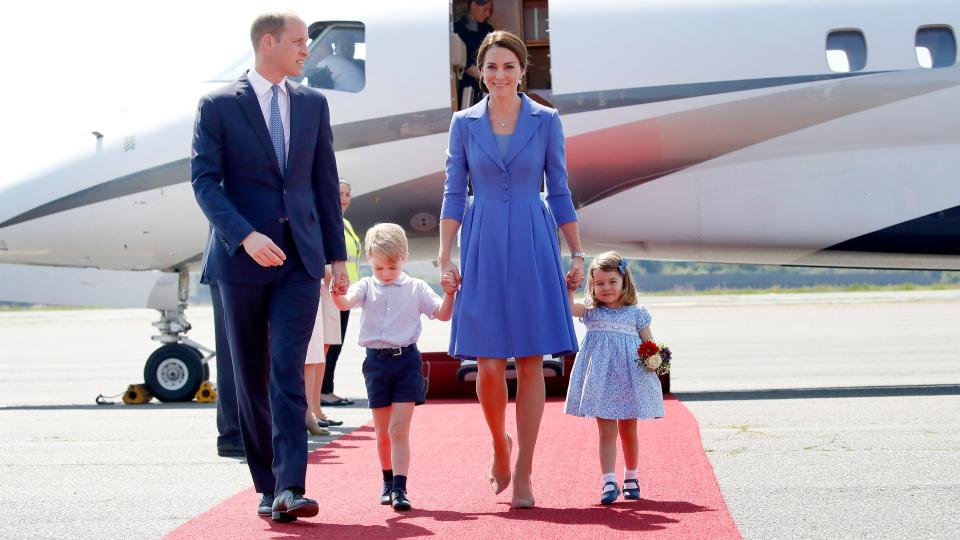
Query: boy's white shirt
{"x": 391, "y": 313}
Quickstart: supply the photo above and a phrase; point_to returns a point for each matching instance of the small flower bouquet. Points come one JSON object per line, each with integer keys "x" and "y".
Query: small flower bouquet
{"x": 654, "y": 357}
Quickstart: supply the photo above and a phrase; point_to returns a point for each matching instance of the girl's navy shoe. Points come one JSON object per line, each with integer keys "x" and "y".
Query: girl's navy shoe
{"x": 609, "y": 495}
{"x": 631, "y": 489}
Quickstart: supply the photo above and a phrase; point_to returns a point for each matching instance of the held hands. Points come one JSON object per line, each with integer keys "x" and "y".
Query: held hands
{"x": 341, "y": 280}
{"x": 449, "y": 277}
{"x": 262, "y": 250}
{"x": 449, "y": 284}
{"x": 575, "y": 276}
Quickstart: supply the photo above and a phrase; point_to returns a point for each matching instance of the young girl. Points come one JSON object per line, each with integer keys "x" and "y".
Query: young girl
{"x": 606, "y": 382}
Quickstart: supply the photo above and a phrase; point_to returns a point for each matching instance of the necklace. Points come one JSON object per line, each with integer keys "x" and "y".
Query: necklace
{"x": 501, "y": 124}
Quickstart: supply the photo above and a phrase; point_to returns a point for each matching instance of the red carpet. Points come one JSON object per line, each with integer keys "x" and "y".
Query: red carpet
{"x": 448, "y": 487}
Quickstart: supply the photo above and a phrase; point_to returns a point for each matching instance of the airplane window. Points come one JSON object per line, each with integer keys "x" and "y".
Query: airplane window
{"x": 337, "y": 60}
{"x": 936, "y": 47}
{"x": 846, "y": 51}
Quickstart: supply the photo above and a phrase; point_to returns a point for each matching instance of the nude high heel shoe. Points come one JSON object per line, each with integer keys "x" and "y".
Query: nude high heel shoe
{"x": 498, "y": 484}
{"x": 314, "y": 428}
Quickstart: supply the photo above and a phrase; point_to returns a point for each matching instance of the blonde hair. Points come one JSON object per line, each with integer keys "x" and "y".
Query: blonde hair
{"x": 387, "y": 240}
{"x": 611, "y": 262}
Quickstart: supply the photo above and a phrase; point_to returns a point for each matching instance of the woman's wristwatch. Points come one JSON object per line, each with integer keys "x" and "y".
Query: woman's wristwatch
{"x": 580, "y": 254}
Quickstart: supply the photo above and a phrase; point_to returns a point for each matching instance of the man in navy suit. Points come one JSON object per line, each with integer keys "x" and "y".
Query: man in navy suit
{"x": 264, "y": 175}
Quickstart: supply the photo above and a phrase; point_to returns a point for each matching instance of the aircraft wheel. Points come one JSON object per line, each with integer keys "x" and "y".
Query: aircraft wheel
{"x": 174, "y": 372}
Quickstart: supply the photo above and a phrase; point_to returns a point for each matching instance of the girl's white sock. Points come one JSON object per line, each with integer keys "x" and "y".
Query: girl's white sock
{"x": 609, "y": 477}
{"x": 629, "y": 474}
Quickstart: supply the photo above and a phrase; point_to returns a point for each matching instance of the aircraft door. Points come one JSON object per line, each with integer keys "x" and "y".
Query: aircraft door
{"x": 536, "y": 35}
{"x": 528, "y": 19}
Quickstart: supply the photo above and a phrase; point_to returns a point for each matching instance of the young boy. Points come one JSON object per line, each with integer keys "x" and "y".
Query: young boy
{"x": 392, "y": 303}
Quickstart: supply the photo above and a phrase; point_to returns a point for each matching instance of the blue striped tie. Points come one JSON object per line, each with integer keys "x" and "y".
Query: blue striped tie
{"x": 276, "y": 131}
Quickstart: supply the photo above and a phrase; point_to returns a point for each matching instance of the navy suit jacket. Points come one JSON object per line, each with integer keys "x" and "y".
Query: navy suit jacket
{"x": 236, "y": 179}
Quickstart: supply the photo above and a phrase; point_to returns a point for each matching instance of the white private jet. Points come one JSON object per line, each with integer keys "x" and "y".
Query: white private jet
{"x": 791, "y": 132}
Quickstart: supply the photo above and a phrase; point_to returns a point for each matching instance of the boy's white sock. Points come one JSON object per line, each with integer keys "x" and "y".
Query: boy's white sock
{"x": 609, "y": 477}
{"x": 629, "y": 474}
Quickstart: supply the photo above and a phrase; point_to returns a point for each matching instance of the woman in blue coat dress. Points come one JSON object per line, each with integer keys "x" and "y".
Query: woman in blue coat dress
{"x": 513, "y": 300}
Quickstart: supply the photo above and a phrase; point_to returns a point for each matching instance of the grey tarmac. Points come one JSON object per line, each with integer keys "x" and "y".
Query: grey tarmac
{"x": 829, "y": 415}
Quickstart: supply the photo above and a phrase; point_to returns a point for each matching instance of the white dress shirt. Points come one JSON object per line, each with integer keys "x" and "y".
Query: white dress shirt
{"x": 263, "y": 88}
{"x": 391, "y": 313}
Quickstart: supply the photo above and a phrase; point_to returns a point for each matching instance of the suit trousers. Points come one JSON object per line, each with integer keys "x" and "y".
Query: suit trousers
{"x": 228, "y": 415}
{"x": 269, "y": 327}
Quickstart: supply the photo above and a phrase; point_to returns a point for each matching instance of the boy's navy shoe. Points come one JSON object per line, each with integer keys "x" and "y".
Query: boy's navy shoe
{"x": 385, "y": 493}
{"x": 399, "y": 500}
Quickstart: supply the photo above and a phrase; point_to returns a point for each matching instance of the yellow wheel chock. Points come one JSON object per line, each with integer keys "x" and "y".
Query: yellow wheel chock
{"x": 137, "y": 394}
{"x": 206, "y": 394}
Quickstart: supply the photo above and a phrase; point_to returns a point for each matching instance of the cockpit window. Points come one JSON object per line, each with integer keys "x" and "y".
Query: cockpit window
{"x": 338, "y": 57}
{"x": 337, "y": 60}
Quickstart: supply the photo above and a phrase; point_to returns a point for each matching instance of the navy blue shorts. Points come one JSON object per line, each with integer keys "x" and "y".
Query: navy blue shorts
{"x": 393, "y": 379}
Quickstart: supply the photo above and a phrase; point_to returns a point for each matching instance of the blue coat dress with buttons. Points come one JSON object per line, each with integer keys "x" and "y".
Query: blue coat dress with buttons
{"x": 513, "y": 300}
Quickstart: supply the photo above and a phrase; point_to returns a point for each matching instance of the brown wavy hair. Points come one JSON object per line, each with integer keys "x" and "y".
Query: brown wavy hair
{"x": 506, "y": 40}
{"x": 610, "y": 262}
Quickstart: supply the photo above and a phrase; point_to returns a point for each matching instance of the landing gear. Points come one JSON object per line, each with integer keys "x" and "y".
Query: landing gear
{"x": 175, "y": 371}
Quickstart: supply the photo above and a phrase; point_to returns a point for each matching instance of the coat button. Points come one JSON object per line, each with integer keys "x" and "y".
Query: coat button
{"x": 284, "y": 191}
{"x": 281, "y": 220}
{"x": 505, "y": 185}
{"x": 504, "y": 197}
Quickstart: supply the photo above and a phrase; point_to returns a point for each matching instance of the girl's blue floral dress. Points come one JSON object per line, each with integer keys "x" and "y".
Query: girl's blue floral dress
{"x": 606, "y": 381}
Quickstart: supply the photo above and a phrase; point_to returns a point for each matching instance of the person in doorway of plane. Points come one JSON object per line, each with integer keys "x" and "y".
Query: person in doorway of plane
{"x": 472, "y": 28}
{"x": 513, "y": 300}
